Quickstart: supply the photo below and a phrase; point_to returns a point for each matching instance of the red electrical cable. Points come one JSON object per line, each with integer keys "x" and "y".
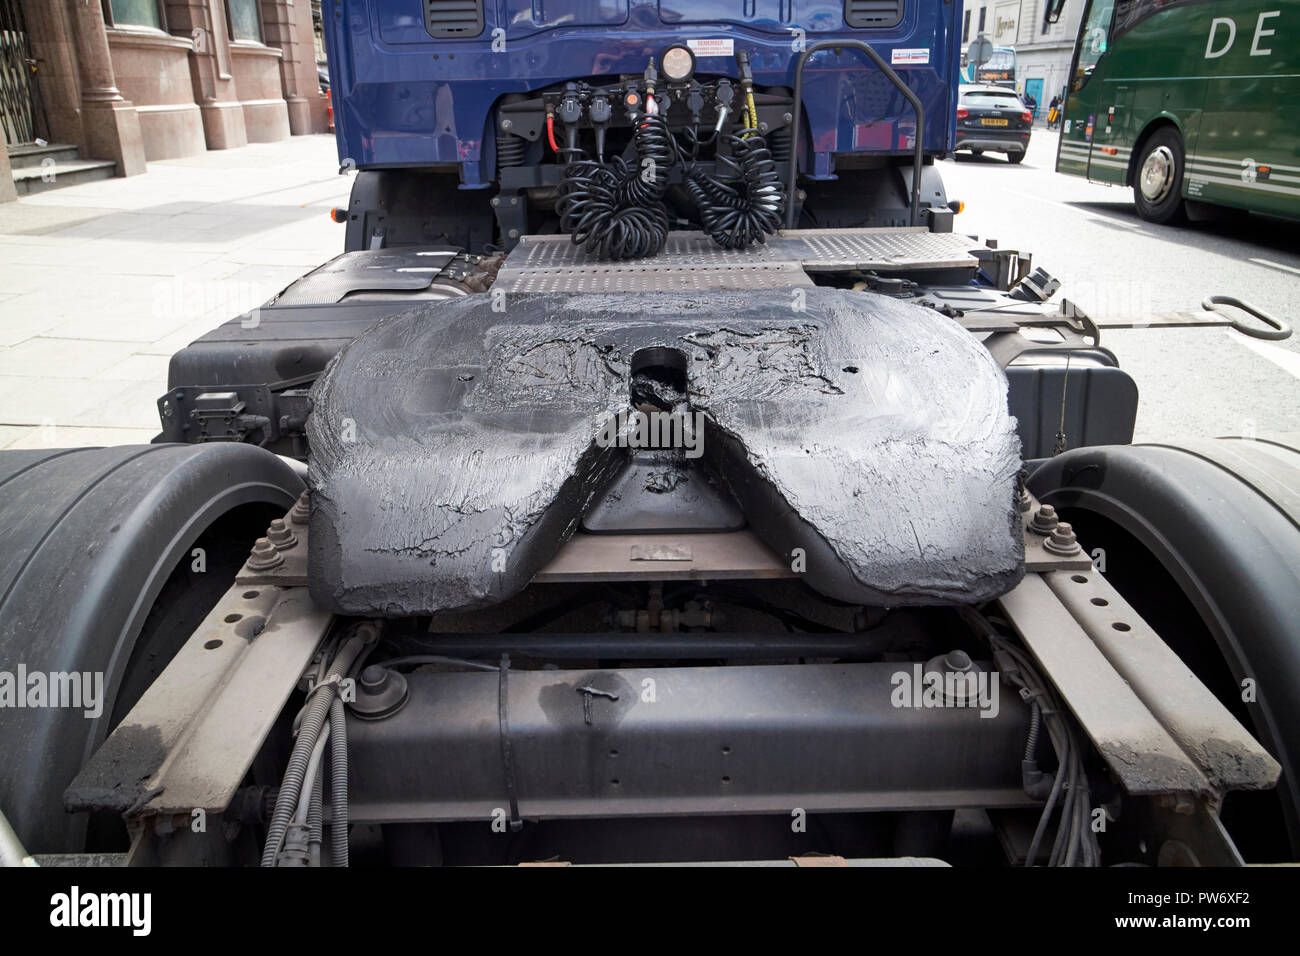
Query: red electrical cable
{"x": 550, "y": 131}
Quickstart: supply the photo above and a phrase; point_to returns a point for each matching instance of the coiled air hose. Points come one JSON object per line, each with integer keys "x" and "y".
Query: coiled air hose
{"x": 614, "y": 209}
{"x": 742, "y": 204}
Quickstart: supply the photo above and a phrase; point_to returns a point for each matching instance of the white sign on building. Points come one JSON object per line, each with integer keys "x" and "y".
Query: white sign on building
{"x": 1006, "y": 23}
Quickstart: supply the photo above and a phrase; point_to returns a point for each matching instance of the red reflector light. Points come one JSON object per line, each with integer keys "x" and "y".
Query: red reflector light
{"x": 962, "y": 114}
{"x": 1027, "y": 116}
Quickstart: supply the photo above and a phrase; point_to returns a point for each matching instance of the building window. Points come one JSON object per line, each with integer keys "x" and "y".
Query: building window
{"x": 965, "y": 28}
{"x": 245, "y": 21}
{"x": 134, "y": 13}
{"x": 983, "y": 12}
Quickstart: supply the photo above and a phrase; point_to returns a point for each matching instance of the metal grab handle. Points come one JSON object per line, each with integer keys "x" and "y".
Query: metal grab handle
{"x": 1280, "y": 330}
{"x": 918, "y": 158}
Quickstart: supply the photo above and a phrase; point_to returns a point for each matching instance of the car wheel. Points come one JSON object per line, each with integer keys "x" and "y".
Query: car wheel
{"x": 1158, "y": 178}
{"x": 1015, "y": 157}
{"x": 977, "y": 152}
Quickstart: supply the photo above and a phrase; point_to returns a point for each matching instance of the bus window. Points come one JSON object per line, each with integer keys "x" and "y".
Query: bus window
{"x": 1093, "y": 39}
{"x": 1001, "y": 60}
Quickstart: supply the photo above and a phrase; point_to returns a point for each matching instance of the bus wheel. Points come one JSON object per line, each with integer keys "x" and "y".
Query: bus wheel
{"x": 1158, "y": 181}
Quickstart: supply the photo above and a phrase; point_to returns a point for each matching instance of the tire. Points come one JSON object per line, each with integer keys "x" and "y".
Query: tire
{"x": 97, "y": 576}
{"x": 1158, "y": 178}
{"x": 977, "y": 152}
{"x": 1203, "y": 539}
{"x": 1015, "y": 158}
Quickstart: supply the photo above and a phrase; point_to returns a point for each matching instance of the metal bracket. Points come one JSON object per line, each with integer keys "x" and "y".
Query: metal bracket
{"x": 1206, "y": 731}
{"x": 290, "y": 570}
{"x": 1037, "y": 555}
{"x": 1140, "y": 752}
{"x": 189, "y": 741}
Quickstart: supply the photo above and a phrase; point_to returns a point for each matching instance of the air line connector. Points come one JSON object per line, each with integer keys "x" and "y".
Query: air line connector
{"x": 570, "y": 114}
{"x": 742, "y": 65}
{"x": 600, "y": 112}
{"x": 723, "y": 94}
{"x": 651, "y": 78}
{"x": 570, "y": 111}
{"x": 632, "y": 101}
{"x": 747, "y": 88}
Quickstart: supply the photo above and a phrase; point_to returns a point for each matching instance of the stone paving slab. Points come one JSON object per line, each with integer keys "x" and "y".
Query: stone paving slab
{"x": 101, "y": 282}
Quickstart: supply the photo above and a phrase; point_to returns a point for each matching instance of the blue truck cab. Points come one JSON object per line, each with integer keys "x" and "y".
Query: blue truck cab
{"x": 444, "y": 105}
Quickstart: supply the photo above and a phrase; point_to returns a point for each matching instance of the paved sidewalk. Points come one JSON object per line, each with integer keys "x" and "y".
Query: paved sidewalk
{"x": 100, "y": 283}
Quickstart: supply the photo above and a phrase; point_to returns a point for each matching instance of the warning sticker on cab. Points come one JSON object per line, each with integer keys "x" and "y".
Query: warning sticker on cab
{"x": 913, "y": 57}
{"x": 712, "y": 46}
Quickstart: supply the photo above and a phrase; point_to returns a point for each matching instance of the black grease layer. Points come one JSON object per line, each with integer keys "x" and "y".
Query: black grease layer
{"x": 454, "y": 448}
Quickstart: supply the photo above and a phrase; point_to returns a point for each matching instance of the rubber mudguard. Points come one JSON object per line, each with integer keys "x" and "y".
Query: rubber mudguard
{"x": 1222, "y": 517}
{"x": 88, "y": 538}
{"x": 456, "y": 446}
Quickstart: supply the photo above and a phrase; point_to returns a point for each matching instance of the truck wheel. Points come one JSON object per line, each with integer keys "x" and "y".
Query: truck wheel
{"x": 1158, "y": 178}
{"x": 108, "y": 558}
{"x": 1203, "y": 539}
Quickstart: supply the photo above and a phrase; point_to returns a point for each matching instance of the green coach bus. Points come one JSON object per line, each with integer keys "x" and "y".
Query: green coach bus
{"x": 1188, "y": 101}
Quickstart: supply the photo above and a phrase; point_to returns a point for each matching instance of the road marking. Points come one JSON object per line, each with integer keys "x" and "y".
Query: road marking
{"x": 1112, "y": 221}
{"x": 1276, "y": 265}
{"x": 1106, "y": 220}
{"x": 1050, "y": 202}
{"x": 1284, "y": 359}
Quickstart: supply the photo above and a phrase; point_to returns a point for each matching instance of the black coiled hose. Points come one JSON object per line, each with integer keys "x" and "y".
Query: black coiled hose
{"x": 742, "y": 204}
{"x": 615, "y": 209}
{"x": 655, "y": 152}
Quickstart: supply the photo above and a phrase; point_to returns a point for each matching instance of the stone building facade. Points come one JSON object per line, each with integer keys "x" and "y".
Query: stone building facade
{"x": 138, "y": 80}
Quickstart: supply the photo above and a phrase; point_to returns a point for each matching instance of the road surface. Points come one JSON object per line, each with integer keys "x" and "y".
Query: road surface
{"x": 1193, "y": 382}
